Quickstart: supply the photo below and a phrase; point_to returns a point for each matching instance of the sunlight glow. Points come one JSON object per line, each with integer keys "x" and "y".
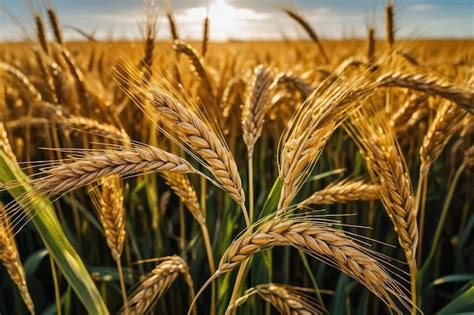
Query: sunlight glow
{"x": 226, "y": 20}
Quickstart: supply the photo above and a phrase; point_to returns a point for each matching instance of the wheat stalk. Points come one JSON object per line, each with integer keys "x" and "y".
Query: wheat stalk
{"x": 41, "y": 33}
{"x": 371, "y": 46}
{"x": 11, "y": 259}
{"x": 447, "y": 121}
{"x": 109, "y": 205}
{"x": 343, "y": 191}
{"x": 156, "y": 283}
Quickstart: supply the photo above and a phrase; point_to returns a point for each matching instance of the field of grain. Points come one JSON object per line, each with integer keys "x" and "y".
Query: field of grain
{"x": 174, "y": 177}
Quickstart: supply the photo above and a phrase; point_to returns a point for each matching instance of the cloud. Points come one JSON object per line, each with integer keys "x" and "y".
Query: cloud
{"x": 423, "y": 7}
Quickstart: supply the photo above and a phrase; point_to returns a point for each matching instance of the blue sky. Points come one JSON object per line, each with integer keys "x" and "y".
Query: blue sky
{"x": 244, "y": 19}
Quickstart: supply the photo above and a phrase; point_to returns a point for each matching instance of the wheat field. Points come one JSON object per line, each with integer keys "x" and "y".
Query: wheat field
{"x": 169, "y": 176}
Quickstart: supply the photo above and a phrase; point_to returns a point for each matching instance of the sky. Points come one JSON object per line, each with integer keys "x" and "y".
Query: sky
{"x": 246, "y": 19}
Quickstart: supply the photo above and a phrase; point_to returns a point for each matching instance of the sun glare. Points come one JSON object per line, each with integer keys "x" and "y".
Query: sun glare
{"x": 226, "y": 20}
{"x": 224, "y": 17}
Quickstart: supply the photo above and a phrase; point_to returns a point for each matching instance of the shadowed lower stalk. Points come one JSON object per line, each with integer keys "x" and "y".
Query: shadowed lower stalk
{"x": 468, "y": 161}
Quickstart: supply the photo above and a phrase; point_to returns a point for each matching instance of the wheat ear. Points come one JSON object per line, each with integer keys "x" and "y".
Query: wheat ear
{"x": 389, "y": 24}
{"x": 296, "y": 82}
{"x": 286, "y": 299}
{"x": 197, "y": 62}
{"x": 11, "y": 259}
{"x": 41, "y": 33}
{"x": 310, "y": 128}
{"x": 430, "y": 85}
{"x": 200, "y": 137}
{"x": 447, "y": 121}
{"x": 21, "y": 78}
{"x": 55, "y": 25}
{"x": 325, "y": 243}
{"x": 84, "y": 170}
{"x": 108, "y": 201}
{"x": 253, "y": 111}
{"x": 157, "y": 282}
{"x": 406, "y": 111}
{"x": 205, "y": 36}
{"x": 5, "y": 144}
{"x": 343, "y": 191}
{"x": 173, "y": 28}
{"x": 309, "y": 30}
{"x": 387, "y": 169}
{"x": 371, "y": 46}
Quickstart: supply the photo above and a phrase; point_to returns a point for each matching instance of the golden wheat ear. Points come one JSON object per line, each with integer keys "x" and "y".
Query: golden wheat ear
{"x": 156, "y": 283}
{"x": 11, "y": 259}
{"x": 190, "y": 129}
{"x": 323, "y": 240}
{"x": 285, "y": 298}
{"x": 343, "y": 191}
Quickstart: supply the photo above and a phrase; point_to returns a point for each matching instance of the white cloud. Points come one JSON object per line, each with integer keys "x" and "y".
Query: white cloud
{"x": 423, "y": 7}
